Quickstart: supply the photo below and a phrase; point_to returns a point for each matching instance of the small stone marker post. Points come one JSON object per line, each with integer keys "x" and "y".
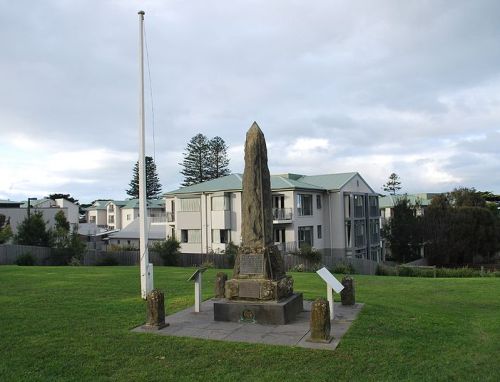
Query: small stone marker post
{"x": 156, "y": 310}
{"x": 347, "y": 295}
{"x": 196, "y": 277}
{"x": 220, "y": 284}
{"x": 331, "y": 283}
{"x": 320, "y": 321}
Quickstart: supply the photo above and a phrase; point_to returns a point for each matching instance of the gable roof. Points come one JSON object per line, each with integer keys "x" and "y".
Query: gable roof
{"x": 329, "y": 181}
{"x": 278, "y": 182}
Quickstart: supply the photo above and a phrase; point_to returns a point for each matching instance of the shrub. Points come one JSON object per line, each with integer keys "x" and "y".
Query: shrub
{"x": 231, "y": 252}
{"x": 168, "y": 250}
{"x": 59, "y": 256}
{"x": 299, "y": 268}
{"x": 107, "y": 260}
{"x": 207, "y": 264}
{"x": 344, "y": 268}
{"x": 384, "y": 270}
{"x": 309, "y": 253}
{"x": 75, "y": 262}
{"x": 25, "y": 259}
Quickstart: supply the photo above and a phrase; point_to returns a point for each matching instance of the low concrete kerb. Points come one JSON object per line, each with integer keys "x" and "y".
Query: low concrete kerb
{"x": 186, "y": 323}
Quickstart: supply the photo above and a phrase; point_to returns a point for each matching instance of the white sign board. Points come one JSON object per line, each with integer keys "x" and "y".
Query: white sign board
{"x": 330, "y": 280}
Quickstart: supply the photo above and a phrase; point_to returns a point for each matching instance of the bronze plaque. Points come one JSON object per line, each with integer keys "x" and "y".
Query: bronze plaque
{"x": 251, "y": 264}
{"x": 249, "y": 289}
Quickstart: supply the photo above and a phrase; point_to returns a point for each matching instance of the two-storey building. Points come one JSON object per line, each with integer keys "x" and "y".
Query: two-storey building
{"x": 335, "y": 213}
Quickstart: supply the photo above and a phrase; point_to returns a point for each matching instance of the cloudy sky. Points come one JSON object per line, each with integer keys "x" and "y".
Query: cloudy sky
{"x": 411, "y": 87}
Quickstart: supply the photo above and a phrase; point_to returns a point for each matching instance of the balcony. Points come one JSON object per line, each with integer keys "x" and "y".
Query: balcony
{"x": 282, "y": 214}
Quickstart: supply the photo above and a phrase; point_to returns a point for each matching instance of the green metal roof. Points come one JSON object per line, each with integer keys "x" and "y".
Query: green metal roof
{"x": 233, "y": 182}
{"x": 329, "y": 181}
{"x": 151, "y": 203}
{"x": 388, "y": 201}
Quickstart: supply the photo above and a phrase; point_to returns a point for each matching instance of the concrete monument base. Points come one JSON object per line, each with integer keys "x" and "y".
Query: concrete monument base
{"x": 260, "y": 312}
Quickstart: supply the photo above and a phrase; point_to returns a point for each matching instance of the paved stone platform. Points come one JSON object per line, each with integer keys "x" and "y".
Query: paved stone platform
{"x": 187, "y": 323}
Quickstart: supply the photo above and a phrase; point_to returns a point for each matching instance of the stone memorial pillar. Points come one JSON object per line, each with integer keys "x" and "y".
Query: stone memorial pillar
{"x": 320, "y": 321}
{"x": 259, "y": 290}
{"x": 347, "y": 294}
{"x": 156, "y": 310}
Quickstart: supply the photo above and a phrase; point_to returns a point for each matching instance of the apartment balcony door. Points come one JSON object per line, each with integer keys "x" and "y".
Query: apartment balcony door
{"x": 279, "y": 201}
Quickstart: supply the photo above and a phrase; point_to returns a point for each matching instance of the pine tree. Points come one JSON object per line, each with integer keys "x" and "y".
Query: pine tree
{"x": 219, "y": 161}
{"x": 393, "y": 184}
{"x": 33, "y": 231}
{"x": 196, "y": 163}
{"x": 153, "y": 186}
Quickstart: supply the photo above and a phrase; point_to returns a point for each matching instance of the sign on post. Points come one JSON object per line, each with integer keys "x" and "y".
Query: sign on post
{"x": 331, "y": 283}
{"x": 196, "y": 277}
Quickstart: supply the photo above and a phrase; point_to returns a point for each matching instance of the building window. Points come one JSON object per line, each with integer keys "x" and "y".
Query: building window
{"x": 306, "y": 236}
{"x": 320, "y": 233}
{"x": 220, "y": 236}
{"x": 190, "y": 236}
{"x": 359, "y": 233}
{"x": 111, "y": 219}
{"x": 279, "y": 235}
{"x": 359, "y": 206}
{"x": 118, "y": 241}
{"x": 220, "y": 203}
{"x": 190, "y": 205}
{"x": 92, "y": 219}
{"x": 374, "y": 231}
{"x": 304, "y": 204}
{"x": 318, "y": 202}
{"x": 373, "y": 203}
{"x": 111, "y": 208}
{"x": 128, "y": 242}
{"x": 128, "y": 217}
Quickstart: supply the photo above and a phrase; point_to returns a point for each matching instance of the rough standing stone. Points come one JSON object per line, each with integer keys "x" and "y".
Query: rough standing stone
{"x": 256, "y": 219}
{"x": 156, "y": 310}
{"x": 347, "y": 294}
{"x": 320, "y": 321}
{"x": 220, "y": 284}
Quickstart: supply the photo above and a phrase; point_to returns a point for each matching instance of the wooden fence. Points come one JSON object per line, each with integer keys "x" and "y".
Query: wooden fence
{"x": 9, "y": 254}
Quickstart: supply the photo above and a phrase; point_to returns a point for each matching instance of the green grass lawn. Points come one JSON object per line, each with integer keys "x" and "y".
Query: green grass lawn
{"x": 73, "y": 323}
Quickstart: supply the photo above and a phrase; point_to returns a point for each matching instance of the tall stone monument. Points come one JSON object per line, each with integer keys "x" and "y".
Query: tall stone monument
{"x": 259, "y": 291}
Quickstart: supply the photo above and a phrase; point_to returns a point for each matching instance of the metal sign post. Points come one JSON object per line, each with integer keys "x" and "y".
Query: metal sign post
{"x": 196, "y": 277}
{"x": 332, "y": 284}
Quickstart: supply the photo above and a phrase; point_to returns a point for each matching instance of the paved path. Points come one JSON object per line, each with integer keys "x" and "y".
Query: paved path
{"x": 186, "y": 323}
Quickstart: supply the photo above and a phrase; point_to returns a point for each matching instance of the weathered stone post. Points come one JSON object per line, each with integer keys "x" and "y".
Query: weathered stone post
{"x": 347, "y": 294}
{"x": 220, "y": 284}
{"x": 320, "y": 321}
{"x": 156, "y": 310}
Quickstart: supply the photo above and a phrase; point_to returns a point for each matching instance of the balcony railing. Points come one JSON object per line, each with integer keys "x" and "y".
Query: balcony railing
{"x": 282, "y": 214}
{"x": 170, "y": 217}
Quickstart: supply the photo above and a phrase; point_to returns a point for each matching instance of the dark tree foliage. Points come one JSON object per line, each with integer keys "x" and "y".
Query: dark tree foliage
{"x": 5, "y": 230}
{"x": 467, "y": 197}
{"x": 219, "y": 162}
{"x": 196, "y": 161}
{"x": 459, "y": 230}
{"x": 68, "y": 197}
{"x": 204, "y": 160}
{"x": 393, "y": 184}
{"x": 153, "y": 186}
{"x": 61, "y": 221}
{"x": 33, "y": 231}
{"x": 403, "y": 232}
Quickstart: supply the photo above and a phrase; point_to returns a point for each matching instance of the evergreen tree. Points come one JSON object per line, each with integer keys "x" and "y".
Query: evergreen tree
{"x": 153, "y": 186}
{"x": 33, "y": 231}
{"x": 219, "y": 162}
{"x": 68, "y": 197}
{"x": 403, "y": 231}
{"x": 393, "y": 184}
{"x": 196, "y": 163}
{"x": 5, "y": 230}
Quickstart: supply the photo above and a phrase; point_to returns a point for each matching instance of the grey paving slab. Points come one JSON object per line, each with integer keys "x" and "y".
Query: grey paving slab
{"x": 186, "y": 323}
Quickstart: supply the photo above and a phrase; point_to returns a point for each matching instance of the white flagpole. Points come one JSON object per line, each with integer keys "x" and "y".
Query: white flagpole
{"x": 143, "y": 238}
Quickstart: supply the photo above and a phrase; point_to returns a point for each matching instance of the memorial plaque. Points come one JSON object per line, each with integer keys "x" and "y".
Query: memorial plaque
{"x": 249, "y": 289}
{"x": 251, "y": 264}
